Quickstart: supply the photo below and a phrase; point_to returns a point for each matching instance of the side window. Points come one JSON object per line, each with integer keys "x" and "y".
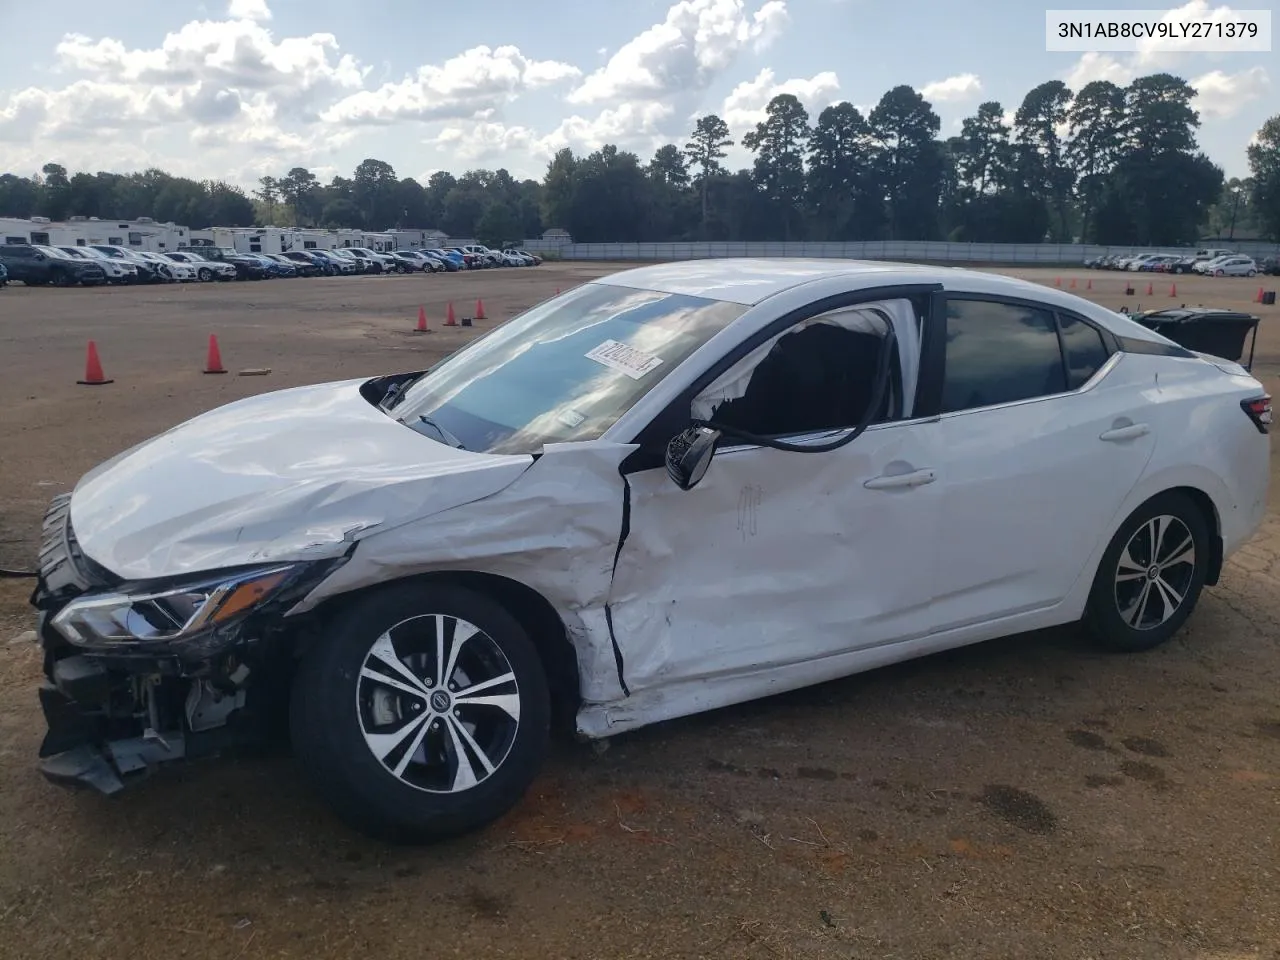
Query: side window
{"x": 1083, "y": 348}
{"x": 816, "y": 378}
{"x": 999, "y": 353}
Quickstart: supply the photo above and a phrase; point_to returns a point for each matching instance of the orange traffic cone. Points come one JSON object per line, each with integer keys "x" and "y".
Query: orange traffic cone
{"x": 1173, "y": 289}
{"x": 1073, "y": 283}
{"x": 449, "y": 319}
{"x": 480, "y": 309}
{"x": 214, "y": 363}
{"x": 1258, "y": 298}
{"x": 1057, "y": 281}
{"x": 1089, "y": 285}
{"x": 557, "y": 291}
{"x": 1151, "y": 289}
{"x": 422, "y": 322}
{"x": 93, "y": 376}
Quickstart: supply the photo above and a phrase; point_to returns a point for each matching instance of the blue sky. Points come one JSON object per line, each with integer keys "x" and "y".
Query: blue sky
{"x": 242, "y": 88}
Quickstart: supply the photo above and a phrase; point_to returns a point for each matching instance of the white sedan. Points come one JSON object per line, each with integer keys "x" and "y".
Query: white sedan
{"x": 664, "y": 491}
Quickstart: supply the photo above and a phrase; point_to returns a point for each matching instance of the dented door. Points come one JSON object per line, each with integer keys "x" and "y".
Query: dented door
{"x": 776, "y": 558}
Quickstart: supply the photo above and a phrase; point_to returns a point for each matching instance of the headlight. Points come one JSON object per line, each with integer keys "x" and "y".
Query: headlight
{"x": 174, "y": 614}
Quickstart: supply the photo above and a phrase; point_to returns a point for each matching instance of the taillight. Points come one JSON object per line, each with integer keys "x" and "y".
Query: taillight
{"x": 1259, "y": 411}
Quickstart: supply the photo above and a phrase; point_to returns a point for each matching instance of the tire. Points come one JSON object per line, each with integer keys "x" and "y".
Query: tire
{"x": 335, "y": 702}
{"x": 1116, "y": 614}
{"x": 205, "y": 275}
{"x": 60, "y": 278}
{"x": 1218, "y": 273}
{"x": 1253, "y": 273}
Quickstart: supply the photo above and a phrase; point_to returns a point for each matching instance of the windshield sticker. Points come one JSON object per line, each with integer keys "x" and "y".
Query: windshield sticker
{"x": 634, "y": 363}
{"x": 570, "y": 418}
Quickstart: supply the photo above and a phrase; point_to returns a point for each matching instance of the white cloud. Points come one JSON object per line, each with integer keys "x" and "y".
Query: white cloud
{"x": 482, "y": 141}
{"x": 963, "y": 86}
{"x": 746, "y": 104}
{"x": 248, "y": 10}
{"x": 230, "y": 54}
{"x": 1220, "y": 95}
{"x": 1098, "y": 66}
{"x": 696, "y": 42}
{"x": 477, "y": 79}
{"x": 638, "y": 126}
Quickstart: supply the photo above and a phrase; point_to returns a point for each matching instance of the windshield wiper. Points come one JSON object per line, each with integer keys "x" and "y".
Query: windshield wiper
{"x": 448, "y": 437}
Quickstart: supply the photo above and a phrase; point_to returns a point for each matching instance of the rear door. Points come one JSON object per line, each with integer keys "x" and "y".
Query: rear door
{"x": 1043, "y": 440}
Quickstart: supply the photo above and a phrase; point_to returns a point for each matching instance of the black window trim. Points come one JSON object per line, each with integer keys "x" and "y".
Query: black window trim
{"x": 652, "y": 439}
{"x": 1115, "y": 343}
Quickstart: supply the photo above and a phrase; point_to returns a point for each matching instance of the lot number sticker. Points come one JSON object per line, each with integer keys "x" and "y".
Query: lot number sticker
{"x": 634, "y": 363}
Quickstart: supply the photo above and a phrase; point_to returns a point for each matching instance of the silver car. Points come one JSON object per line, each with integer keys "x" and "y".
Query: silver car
{"x": 1233, "y": 267}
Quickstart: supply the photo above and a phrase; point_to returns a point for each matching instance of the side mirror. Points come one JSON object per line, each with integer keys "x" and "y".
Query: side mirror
{"x": 689, "y": 454}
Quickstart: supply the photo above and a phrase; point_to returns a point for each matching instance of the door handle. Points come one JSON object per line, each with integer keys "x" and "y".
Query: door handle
{"x": 1131, "y": 432}
{"x": 917, "y": 478}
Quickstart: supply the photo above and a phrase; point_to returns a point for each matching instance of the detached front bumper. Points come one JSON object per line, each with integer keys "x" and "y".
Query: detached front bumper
{"x": 114, "y": 717}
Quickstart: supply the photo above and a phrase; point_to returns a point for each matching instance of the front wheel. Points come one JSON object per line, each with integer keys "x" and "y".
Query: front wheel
{"x": 1151, "y": 575}
{"x": 422, "y": 713}
{"x": 205, "y": 274}
{"x": 1253, "y": 273}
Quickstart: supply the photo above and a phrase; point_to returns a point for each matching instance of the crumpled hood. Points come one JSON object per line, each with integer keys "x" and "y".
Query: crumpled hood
{"x": 291, "y": 475}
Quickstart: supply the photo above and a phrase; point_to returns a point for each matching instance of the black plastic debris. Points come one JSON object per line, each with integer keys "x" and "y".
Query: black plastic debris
{"x": 1218, "y": 332}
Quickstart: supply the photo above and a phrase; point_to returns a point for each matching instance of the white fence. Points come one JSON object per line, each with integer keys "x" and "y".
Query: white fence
{"x": 907, "y": 250}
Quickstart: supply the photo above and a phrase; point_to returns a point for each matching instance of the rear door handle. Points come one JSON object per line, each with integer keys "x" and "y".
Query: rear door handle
{"x": 917, "y": 478}
{"x": 1131, "y": 432}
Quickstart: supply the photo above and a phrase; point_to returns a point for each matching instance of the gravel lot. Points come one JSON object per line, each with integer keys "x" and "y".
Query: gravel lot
{"x": 1024, "y": 798}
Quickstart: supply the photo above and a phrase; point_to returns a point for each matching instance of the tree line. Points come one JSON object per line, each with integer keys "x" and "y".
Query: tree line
{"x": 1104, "y": 164}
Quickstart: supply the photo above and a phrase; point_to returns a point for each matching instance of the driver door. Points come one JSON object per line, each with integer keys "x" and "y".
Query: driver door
{"x": 779, "y": 563}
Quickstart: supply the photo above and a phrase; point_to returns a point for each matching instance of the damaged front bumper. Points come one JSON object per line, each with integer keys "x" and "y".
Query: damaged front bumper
{"x": 116, "y": 711}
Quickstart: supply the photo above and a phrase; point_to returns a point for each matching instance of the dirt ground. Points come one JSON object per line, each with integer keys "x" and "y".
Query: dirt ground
{"x": 1024, "y": 798}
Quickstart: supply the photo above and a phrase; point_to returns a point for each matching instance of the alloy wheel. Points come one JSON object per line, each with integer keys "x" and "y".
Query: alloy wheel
{"x": 1155, "y": 572}
{"x": 438, "y": 703}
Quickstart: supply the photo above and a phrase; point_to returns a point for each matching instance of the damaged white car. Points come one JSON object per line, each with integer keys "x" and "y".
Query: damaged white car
{"x": 664, "y": 491}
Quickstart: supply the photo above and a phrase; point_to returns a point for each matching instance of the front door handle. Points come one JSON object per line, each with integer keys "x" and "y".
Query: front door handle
{"x": 917, "y": 478}
{"x": 1131, "y": 432}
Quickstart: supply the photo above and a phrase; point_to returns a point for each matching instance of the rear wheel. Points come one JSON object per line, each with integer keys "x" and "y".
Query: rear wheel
{"x": 205, "y": 274}
{"x": 1151, "y": 575}
{"x": 422, "y": 714}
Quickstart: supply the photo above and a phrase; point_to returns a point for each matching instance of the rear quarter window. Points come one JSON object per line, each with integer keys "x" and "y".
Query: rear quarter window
{"x": 1083, "y": 349}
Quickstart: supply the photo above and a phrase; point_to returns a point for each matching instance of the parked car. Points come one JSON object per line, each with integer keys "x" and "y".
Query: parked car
{"x": 308, "y": 258}
{"x": 1158, "y": 263}
{"x": 452, "y": 260}
{"x": 417, "y": 261}
{"x": 509, "y": 259}
{"x": 117, "y": 271}
{"x": 173, "y": 270}
{"x": 247, "y": 267}
{"x": 470, "y": 261}
{"x": 422, "y": 566}
{"x": 339, "y": 265}
{"x": 275, "y": 268}
{"x": 148, "y": 272}
{"x": 357, "y": 265}
{"x": 4, "y": 274}
{"x": 533, "y": 258}
{"x": 206, "y": 270}
{"x": 374, "y": 262}
{"x": 405, "y": 262}
{"x": 1270, "y": 266}
{"x": 1232, "y": 267}
{"x": 35, "y": 265}
{"x": 300, "y": 268}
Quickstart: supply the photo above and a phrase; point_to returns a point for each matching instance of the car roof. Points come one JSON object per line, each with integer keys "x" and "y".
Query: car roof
{"x": 748, "y": 281}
